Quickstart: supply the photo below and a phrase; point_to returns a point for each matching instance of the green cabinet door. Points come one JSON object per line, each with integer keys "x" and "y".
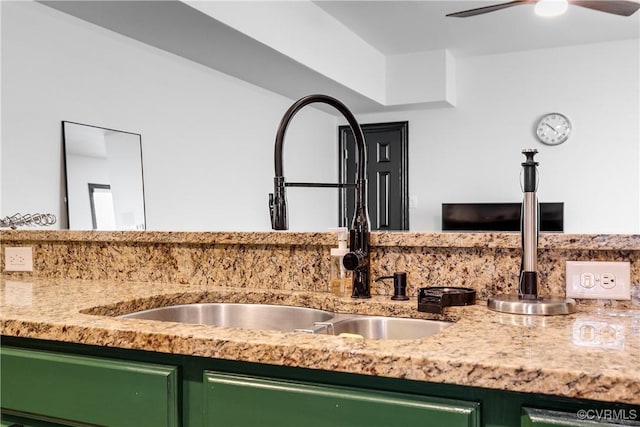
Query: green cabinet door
{"x": 13, "y": 421}
{"x": 587, "y": 417}
{"x": 240, "y": 401}
{"x": 76, "y": 390}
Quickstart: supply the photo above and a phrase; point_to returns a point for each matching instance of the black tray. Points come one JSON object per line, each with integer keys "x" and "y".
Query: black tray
{"x": 434, "y": 299}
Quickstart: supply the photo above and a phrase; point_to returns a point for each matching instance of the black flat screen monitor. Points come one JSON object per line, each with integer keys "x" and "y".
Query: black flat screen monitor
{"x": 498, "y": 217}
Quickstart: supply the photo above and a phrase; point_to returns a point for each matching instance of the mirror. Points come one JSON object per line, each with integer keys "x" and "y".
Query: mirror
{"x": 105, "y": 189}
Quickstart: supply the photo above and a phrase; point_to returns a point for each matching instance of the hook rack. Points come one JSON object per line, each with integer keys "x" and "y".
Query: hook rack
{"x": 17, "y": 220}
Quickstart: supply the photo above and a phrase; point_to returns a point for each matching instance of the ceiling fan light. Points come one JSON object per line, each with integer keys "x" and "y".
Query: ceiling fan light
{"x": 549, "y": 8}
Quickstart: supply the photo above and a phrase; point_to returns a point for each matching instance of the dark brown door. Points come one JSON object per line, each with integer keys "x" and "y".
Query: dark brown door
{"x": 387, "y": 173}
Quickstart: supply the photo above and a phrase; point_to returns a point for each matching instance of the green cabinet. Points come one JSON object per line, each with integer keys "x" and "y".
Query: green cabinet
{"x": 83, "y": 390}
{"x": 585, "y": 417}
{"x": 13, "y": 421}
{"x": 54, "y": 384}
{"x": 235, "y": 400}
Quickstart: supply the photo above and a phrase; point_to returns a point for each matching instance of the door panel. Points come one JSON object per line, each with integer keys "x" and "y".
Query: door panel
{"x": 383, "y": 202}
{"x": 387, "y": 175}
{"x": 88, "y": 390}
{"x": 243, "y": 401}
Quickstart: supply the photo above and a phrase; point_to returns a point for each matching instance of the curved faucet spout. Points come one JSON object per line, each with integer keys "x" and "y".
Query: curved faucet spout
{"x": 353, "y": 123}
{"x": 359, "y": 233}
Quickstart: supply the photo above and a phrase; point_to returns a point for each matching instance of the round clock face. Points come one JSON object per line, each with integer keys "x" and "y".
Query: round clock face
{"x": 553, "y": 129}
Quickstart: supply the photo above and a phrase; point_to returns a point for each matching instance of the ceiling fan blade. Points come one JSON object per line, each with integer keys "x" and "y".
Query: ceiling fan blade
{"x": 624, "y": 8}
{"x": 493, "y": 8}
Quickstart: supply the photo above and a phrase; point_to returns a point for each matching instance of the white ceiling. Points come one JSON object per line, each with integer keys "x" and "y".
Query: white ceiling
{"x": 395, "y": 27}
{"x": 389, "y": 26}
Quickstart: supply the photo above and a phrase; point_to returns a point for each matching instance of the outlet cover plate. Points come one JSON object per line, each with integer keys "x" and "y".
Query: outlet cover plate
{"x": 598, "y": 280}
{"x": 18, "y": 259}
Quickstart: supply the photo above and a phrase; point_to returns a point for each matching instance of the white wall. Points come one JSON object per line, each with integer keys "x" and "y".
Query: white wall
{"x": 298, "y": 24}
{"x": 207, "y": 138}
{"x": 472, "y": 153}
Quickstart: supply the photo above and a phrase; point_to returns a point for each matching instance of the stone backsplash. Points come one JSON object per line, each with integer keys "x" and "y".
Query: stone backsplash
{"x": 486, "y": 262}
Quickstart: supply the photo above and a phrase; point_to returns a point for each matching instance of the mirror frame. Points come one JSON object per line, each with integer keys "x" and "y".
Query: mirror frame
{"x": 66, "y": 174}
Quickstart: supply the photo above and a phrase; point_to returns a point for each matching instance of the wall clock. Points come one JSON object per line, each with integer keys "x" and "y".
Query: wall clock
{"x": 553, "y": 129}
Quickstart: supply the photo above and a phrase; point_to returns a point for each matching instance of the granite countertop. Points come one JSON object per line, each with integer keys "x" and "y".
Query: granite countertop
{"x": 378, "y": 238}
{"x": 591, "y": 354}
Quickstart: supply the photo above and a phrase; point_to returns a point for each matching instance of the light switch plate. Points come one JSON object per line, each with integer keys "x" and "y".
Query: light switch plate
{"x": 18, "y": 259}
{"x": 598, "y": 280}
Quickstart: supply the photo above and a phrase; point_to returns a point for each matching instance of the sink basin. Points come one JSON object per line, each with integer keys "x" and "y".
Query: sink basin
{"x": 251, "y": 316}
{"x": 288, "y": 318}
{"x": 389, "y": 328}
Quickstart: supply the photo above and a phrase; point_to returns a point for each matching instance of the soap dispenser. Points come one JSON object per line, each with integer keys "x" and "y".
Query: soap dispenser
{"x": 340, "y": 279}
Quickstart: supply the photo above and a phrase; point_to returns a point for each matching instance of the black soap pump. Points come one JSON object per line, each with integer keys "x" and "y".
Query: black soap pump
{"x": 399, "y": 285}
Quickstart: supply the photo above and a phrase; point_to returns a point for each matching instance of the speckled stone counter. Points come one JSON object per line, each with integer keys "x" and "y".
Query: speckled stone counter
{"x": 487, "y": 262}
{"x": 381, "y": 239}
{"x": 591, "y": 354}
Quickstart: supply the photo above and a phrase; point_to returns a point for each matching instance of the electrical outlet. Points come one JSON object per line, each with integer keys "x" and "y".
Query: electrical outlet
{"x": 598, "y": 280}
{"x": 18, "y": 259}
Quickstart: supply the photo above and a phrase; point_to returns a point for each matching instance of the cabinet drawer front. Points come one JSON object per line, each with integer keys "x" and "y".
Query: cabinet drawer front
{"x": 88, "y": 390}
{"x": 233, "y": 400}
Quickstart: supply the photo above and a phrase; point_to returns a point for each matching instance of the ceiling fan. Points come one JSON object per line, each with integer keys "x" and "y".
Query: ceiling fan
{"x": 624, "y": 8}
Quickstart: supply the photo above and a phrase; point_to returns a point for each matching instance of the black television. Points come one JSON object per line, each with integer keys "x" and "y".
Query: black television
{"x": 498, "y": 217}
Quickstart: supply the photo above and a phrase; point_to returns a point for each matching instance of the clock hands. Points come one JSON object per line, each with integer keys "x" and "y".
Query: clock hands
{"x": 553, "y": 129}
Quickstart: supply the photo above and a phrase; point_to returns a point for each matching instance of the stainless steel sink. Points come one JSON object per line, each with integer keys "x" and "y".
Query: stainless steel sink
{"x": 251, "y": 316}
{"x": 288, "y": 318}
{"x": 389, "y": 328}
